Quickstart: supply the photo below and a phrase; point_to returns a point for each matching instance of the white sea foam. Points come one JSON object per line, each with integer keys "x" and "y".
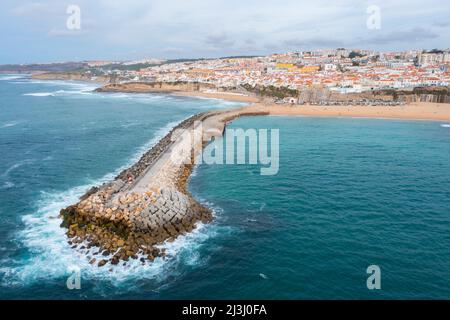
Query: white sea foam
{"x": 71, "y": 92}
{"x": 10, "y": 77}
{"x": 67, "y": 83}
{"x": 445, "y": 125}
{"x": 11, "y": 124}
{"x": 194, "y": 171}
{"x": 262, "y": 275}
{"x": 223, "y": 101}
{"x": 73, "y": 88}
{"x": 83, "y": 89}
{"x": 151, "y": 98}
{"x": 138, "y": 97}
{"x": 51, "y": 255}
{"x": 39, "y": 94}
{"x": 114, "y": 95}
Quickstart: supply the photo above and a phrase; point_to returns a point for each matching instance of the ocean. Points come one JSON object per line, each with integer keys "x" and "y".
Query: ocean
{"x": 349, "y": 193}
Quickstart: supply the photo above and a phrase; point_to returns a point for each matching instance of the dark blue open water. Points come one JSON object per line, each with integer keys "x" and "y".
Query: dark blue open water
{"x": 349, "y": 193}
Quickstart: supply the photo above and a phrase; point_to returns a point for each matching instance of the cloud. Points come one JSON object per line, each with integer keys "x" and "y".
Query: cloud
{"x": 171, "y": 51}
{"x": 409, "y": 35}
{"x": 442, "y": 24}
{"x": 30, "y": 9}
{"x": 219, "y": 41}
{"x": 314, "y": 43}
{"x": 66, "y": 32}
{"x": 199, "y": 28}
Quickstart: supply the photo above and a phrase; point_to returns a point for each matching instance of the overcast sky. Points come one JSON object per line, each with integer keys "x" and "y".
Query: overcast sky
{"x": 36, "y": 31}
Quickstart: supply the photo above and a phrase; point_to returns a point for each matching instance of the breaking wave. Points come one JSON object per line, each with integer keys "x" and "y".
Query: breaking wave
{"x": 39, "y": 94}
{"x": 10, "y": 77}
{"x": 51, "y": 257}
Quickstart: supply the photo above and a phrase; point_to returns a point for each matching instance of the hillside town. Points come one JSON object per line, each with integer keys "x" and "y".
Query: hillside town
{"x": 339, "y": 70}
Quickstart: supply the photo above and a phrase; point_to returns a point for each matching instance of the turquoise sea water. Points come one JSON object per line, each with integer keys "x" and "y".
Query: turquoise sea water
{"x": 349, "y": 193}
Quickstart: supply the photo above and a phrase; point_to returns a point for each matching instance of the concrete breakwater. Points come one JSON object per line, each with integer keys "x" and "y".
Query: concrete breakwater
{"x": 147, "y": 203}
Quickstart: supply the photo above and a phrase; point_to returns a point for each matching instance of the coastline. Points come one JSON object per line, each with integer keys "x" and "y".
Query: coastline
{"x": 69, "y": 76}
{"x": 228, "y": 96}
{"x": 148, "y": 203}
{"x": 424, "y": 111}
{"x": 427, "y": 111}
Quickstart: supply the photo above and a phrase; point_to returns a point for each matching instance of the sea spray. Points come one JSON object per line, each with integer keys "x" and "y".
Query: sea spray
{"x": 50, "y": 255}
{"x": 30, "y": 230}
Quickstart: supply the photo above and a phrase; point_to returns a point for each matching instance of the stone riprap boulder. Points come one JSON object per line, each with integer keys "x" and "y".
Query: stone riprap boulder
{"x": 148, "y": 203}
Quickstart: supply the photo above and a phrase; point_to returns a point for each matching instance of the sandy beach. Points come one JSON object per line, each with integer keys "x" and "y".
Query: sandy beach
{"x": 416, "y": 111}
{"x": 412, "y": 111}
{"x": 230, "y": 96}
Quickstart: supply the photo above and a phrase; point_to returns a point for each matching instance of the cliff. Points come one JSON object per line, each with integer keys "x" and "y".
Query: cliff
{"x": 143, "y": 87}
{"x": 74, "y": 76}
{"x": 421, "y": 94}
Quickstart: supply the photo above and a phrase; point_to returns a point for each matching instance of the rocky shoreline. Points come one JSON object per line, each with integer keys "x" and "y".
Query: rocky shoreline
{"x": 122, "y": 220}
{"x": 155, "y": 87}
{"x": 107, "y": 217}
{"x": 70, "y": 76}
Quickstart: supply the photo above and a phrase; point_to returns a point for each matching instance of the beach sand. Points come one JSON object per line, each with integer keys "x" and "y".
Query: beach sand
{"x": 219, "y": 95}
{"x": 412, "y": 111}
